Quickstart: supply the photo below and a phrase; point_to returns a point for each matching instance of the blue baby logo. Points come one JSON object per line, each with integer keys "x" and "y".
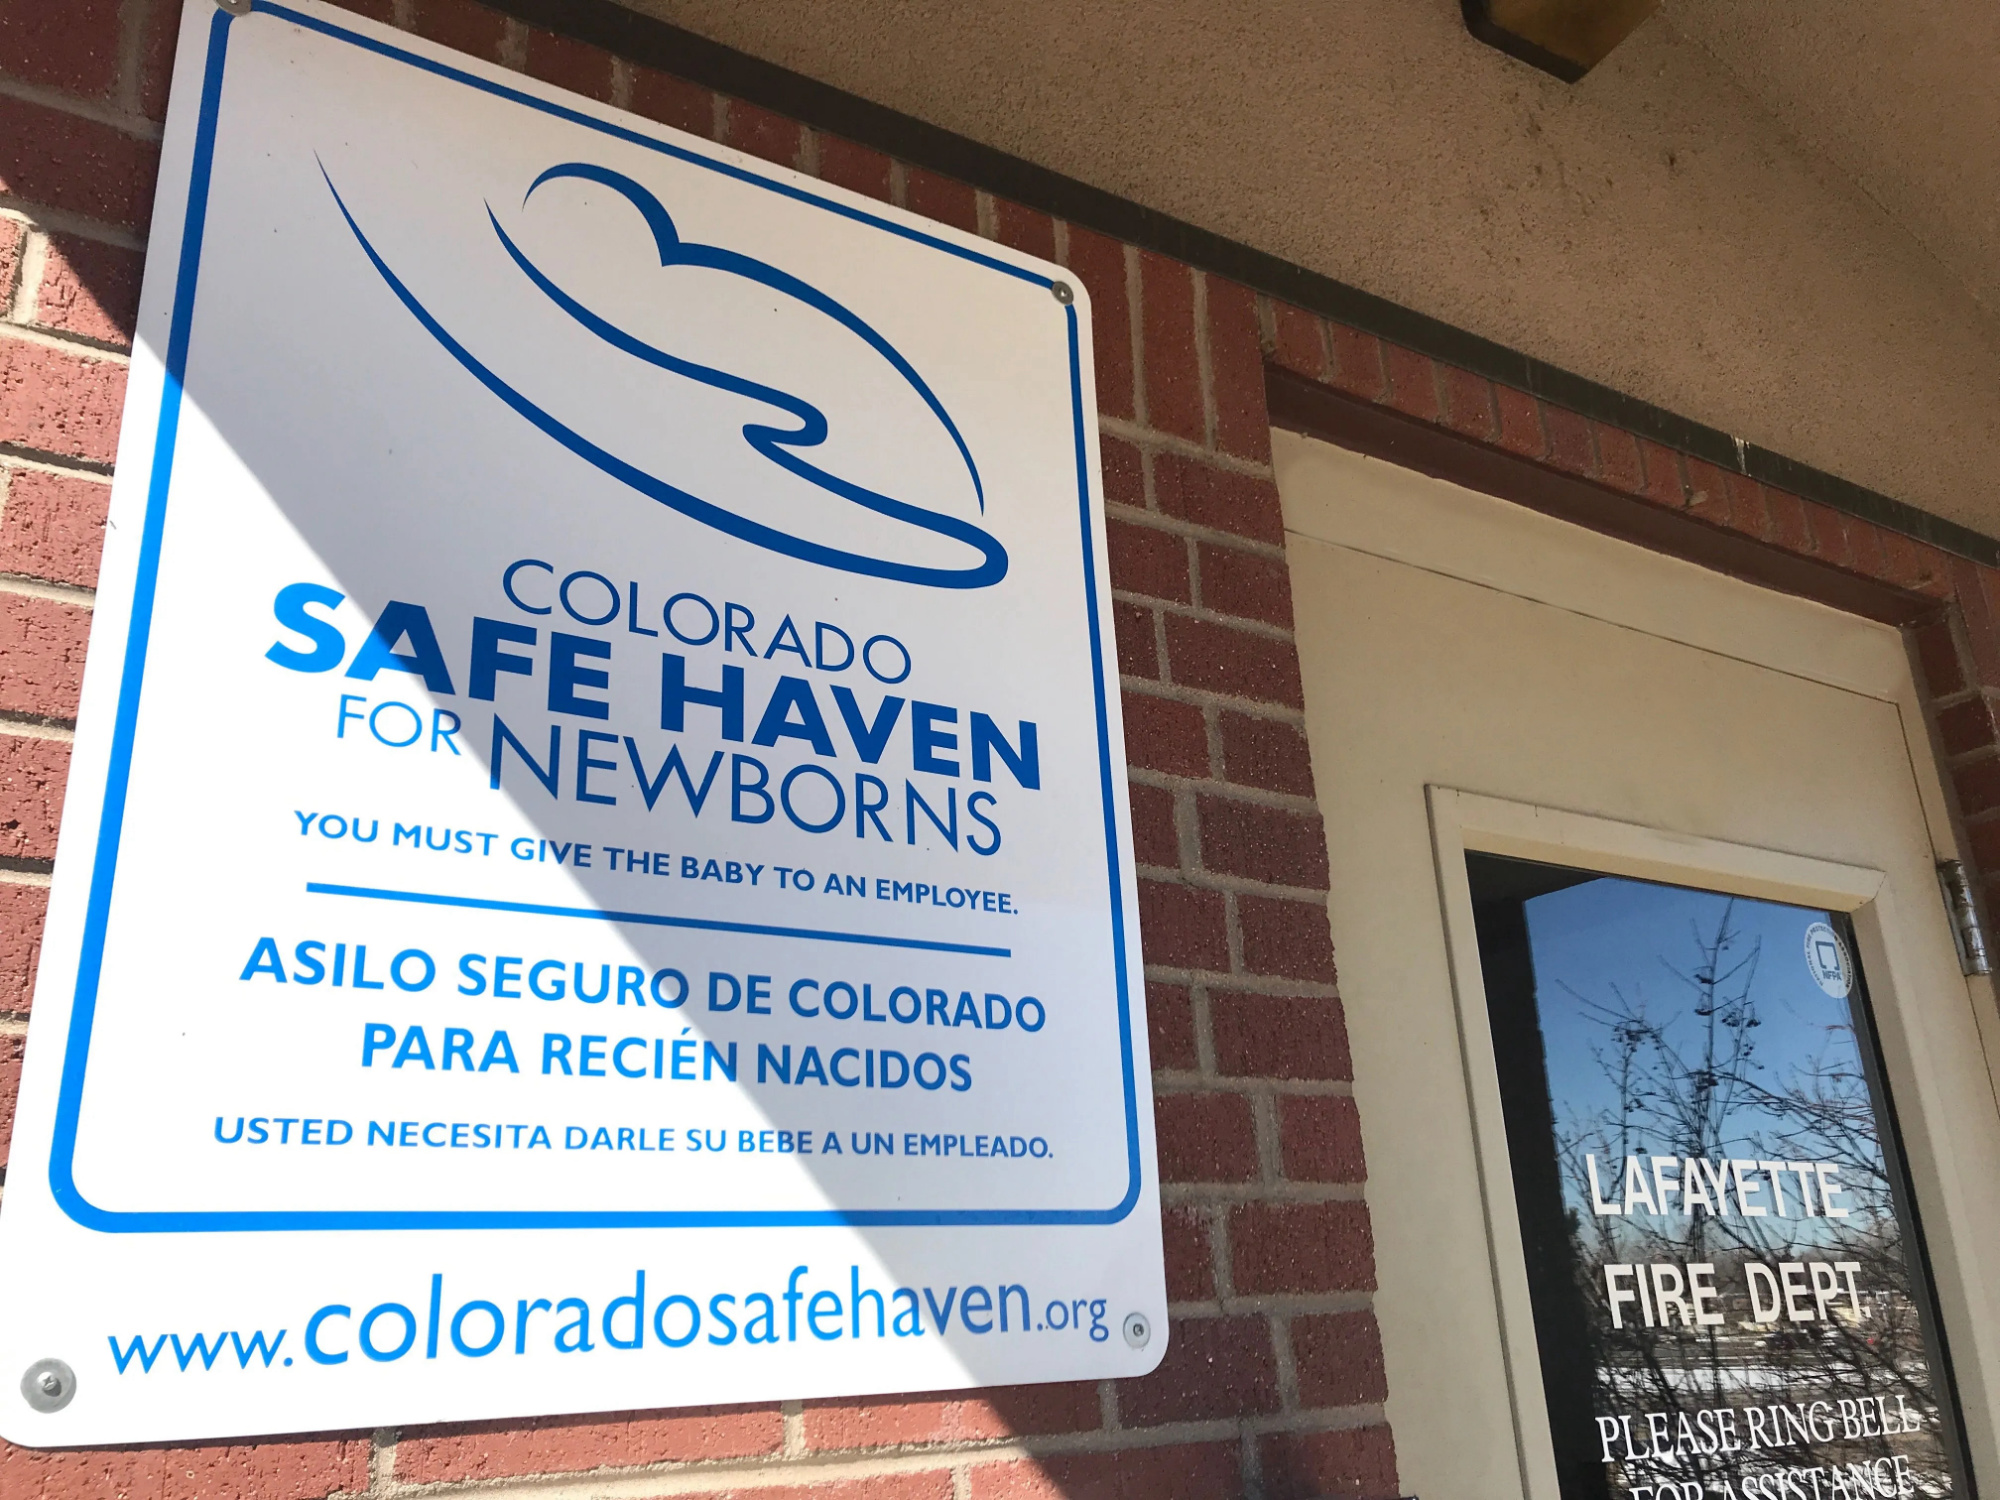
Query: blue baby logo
{"x": 790, "y": 446}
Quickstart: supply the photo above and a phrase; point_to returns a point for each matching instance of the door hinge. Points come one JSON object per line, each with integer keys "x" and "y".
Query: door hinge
{"x": 1966, "y": 934}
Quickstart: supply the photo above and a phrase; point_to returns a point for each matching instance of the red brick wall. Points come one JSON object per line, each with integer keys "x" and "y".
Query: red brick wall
{"x": 1274, "y": 1382}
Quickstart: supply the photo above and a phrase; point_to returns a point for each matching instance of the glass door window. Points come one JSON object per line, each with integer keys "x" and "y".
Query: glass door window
{"x": 1726, "y": 1273}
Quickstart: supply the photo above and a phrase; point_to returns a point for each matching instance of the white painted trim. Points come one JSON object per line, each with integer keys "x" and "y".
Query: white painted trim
{"x": 1552, "y": 835}
{"x": 1390, "y": 571}
{"x": 1333, "y": 495}
{"x": 1462, "y": 821}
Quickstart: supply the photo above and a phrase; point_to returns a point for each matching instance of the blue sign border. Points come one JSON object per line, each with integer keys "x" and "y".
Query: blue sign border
{"x": 62, "y": 1179}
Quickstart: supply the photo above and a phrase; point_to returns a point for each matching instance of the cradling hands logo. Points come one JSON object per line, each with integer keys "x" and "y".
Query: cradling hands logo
{"x": 788, "y": 442}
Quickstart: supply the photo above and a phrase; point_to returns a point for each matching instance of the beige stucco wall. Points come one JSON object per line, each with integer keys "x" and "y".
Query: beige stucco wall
{"x": 1665, "y": 227}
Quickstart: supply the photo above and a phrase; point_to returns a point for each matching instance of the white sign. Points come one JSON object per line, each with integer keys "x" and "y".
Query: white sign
{"x": 596, "y": 872}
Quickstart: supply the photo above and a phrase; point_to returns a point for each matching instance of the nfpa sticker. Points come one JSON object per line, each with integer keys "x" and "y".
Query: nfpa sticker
{"x": 1826, "y": 960}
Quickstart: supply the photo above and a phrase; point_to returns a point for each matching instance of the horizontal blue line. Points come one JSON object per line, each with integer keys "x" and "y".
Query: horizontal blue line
{"x": 651, "y": 919}
{"x": 227, "y": 1221}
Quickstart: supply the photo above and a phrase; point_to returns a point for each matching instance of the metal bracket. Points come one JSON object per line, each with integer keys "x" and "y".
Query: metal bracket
{"x": 1966, "y": 934}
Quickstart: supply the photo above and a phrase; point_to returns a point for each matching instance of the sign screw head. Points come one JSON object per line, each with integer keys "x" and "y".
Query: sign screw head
{"x": 1063, "y": 292}
{"x": 48, "y": 1385}
{"x": 1137, "y": 1330}
{"x": 235, "y": 7}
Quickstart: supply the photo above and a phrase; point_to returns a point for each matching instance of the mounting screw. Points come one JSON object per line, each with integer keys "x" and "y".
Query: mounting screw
{"x": 1063, "y": 292}
{"x": 1137, "y": 1330}
{"x": 235, "y": 7}
{"x": 48, "y": 1385}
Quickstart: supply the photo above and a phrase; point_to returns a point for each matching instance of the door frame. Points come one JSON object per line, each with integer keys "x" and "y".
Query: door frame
{"x": 1463, "y": 822}
{"x": 1405, "y": 516}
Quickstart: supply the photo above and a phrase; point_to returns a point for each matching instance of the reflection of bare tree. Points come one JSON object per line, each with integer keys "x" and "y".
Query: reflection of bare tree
{"x": 1689, "y": 1083}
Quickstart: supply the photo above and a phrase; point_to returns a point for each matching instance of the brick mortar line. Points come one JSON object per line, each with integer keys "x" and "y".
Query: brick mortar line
{"x": 1232, "y": 791}
{"x": 12, "y": 876}
{"x": 686, "y": 1476}
{"x": 1180, "y": 1081}
{"x": 65, "y": 467}
{"x": 1135, "y": 326}
{"x": 808, "y": 160}
{"x": 66, "y": 343}
{"x": 381, "y": 1459}
{"x": 1239, "y": 885}
{"x": 1180, "y": 692}
{"x": 1324, "y": 1419}
{"x": 132, "y": 18}
{"x": 1221, "y": 1252}
{"x": 1268, "y": 986}
{"x": 514, "y": 45}
{"x": 1267, "y": 1137}
{"x": 1190, "y": 1194}
{"x": 1061, "y": 257}
{"x": 1250, "y": 1464}
{"x": 772, "y": 1471}
{"x": 1278, "y": 1305}
{"x": 1149, "y": 477}
{"x": 1204, "y": 361}
{"x": 1151, "y": 438}
{"x": 1203, "y": 1021}
{"x": 1187, "y": 832}
{"x": 1943, "y": 701}
{"x": 1248, "y": 623}
{"x": 66, "y": 221}
{"x": 623, "y": 75}
{"x": 983, "y": 1450}
{"x": 36, "y": 727}
{"x": 43, "y": 588}
{"x": 23, "y": 325}
{"x": 1174, "y": 692}
{"x": 1107, "y": 1406}
{"x": 1276, "y": 986}
{"x": 135, "y": 125}
{"x": 1286, "y": 1364}
{"x": 86, "y": 468}
{"x": 29, "y": 268}
{"x": 1274, "y": 1189}
{"x": 1161, "y": 521}
{"x": 14, "y": 1023}
{"x": 1181, "y": 1085}
{"x": 1264, "y": 629}
{"x": 1233, "y": 937}
{"x": 1267, "y": 336}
